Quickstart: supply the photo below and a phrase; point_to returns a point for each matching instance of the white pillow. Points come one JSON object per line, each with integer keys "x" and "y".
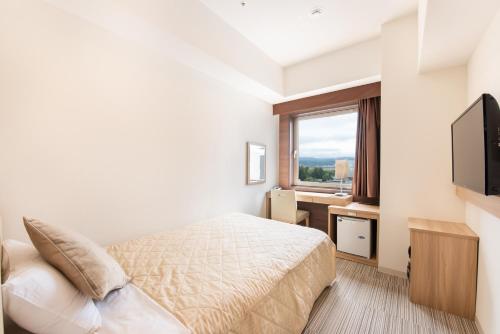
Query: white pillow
{"x": 16, "y": 253}
{"x": 40, "y": 299}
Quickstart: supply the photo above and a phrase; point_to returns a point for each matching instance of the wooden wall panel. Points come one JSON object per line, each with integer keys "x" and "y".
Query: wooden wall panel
{"x": 328, "y": 100}
{"x": 285, "y": 148}
{"x": 287, "y": 111}
{"x": 487, "y": 203}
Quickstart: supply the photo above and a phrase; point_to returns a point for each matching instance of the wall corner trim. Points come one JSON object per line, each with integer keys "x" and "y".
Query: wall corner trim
{"x": 479, "y": 327}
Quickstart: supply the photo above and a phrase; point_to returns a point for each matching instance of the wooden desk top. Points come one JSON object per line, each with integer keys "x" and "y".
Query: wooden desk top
{"x": 457, "y": 230}
{"x": 356, "y": 209}
{"x": 321, "y": 198}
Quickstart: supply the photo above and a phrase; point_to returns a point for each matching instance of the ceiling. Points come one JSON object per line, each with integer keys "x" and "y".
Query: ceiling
{"x": 448, "y": 38}
{"x": 287, "y": 32}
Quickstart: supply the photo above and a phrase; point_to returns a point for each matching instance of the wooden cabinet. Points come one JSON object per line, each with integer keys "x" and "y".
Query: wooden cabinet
{"x": 443, "y": 266}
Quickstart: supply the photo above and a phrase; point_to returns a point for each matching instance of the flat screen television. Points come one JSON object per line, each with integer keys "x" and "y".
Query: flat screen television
{"x": 476, "y": 147}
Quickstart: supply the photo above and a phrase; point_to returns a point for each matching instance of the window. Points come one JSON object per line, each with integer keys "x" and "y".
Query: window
{"x": 319, "y": 141}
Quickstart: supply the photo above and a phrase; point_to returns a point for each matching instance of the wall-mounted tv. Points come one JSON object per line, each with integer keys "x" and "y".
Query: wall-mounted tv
{"x": 476, "y": 147}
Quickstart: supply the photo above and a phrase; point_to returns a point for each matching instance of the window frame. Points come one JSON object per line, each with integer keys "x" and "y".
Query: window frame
{"x": 295, "y": 148}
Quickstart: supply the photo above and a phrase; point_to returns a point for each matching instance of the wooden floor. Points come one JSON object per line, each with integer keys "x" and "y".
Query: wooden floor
{"x": 363, "y": 300}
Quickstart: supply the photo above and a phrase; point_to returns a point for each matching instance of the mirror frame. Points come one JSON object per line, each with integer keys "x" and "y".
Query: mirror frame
{"x": 263, "y": 180}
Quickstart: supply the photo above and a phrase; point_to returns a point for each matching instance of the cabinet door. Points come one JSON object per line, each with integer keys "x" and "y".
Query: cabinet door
{"x": 443, "y": 273}
{"x": 424, "y": 267}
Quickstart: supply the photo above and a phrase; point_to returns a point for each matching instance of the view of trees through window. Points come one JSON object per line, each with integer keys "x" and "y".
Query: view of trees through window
{"x": 323, "y": 140}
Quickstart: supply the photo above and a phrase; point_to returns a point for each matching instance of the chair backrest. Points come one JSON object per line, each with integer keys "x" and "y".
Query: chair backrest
{"x": 284, "y": 206}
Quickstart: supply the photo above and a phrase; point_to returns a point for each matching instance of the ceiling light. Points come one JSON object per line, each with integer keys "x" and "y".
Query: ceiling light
{"x": 243, "y": 3}
{"x": 316, "y": 12}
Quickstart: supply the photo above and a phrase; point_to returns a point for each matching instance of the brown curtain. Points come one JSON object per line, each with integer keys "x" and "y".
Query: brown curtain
{"x": 366, "y": 180}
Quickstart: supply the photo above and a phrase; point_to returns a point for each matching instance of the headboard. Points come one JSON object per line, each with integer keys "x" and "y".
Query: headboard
{"x": 1, "y": 255}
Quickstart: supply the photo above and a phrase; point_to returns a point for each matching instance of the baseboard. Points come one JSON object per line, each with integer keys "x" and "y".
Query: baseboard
{"x": 392, "y": 272}
{"x": 479, "y": 327}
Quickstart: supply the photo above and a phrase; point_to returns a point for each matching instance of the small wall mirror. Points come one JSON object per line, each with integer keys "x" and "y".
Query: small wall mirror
{"x": 256, "y": 163}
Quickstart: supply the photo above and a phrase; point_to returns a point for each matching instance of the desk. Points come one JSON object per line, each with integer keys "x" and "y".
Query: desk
{"x": 360, "y": 211}
{"x": 310, "y": 197}
{"x": 316, "y": 204}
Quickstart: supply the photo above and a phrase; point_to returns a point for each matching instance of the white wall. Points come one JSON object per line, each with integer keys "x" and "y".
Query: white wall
{"x": 113, "y": 140}
{"x": 355, "y": 63}
{"x": 484, "y": 77}
{"x": 417, "y": 111}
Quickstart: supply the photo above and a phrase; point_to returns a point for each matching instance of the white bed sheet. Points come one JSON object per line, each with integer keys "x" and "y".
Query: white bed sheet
{"x": 131, "y": 311}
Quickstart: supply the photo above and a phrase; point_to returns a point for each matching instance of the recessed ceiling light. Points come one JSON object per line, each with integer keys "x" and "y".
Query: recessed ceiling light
{"x": 243, "y": 3}
{"x": 316, "y": 12}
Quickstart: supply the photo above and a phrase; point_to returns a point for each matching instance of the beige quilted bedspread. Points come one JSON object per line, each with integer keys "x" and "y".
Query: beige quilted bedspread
{"x": 233, "y": 274}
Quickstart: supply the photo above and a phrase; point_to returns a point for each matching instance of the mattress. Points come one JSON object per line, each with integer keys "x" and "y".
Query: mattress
{"x": 233, "y": 274}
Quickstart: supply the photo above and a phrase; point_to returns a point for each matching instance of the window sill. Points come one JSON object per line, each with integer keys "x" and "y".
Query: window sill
{"x": 320, "y": 189}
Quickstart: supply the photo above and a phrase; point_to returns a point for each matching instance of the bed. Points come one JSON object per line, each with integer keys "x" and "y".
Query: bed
{"x": 232, "y": 274}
